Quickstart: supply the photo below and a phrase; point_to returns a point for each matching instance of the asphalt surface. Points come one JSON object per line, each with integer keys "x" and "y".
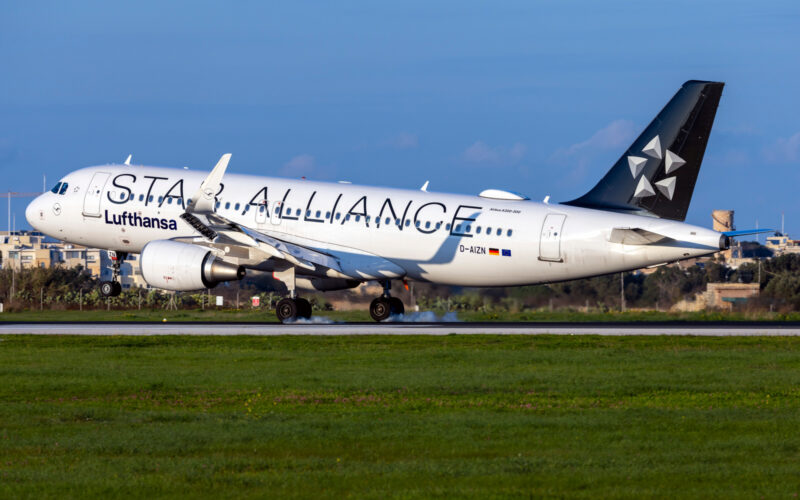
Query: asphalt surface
{"x": 330, "y": 328}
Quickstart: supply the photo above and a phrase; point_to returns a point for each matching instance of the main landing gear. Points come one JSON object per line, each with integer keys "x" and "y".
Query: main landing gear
{"x": 113, "y": 288}
{"x": 384, "y": 306}
{"x": 292, "y": 307}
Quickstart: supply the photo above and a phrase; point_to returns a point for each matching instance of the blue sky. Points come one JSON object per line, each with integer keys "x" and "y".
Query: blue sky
{"x": 539, "y": 97}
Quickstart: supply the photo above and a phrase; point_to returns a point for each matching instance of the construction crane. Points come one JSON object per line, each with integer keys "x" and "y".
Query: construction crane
{"x": 13, "y": 194}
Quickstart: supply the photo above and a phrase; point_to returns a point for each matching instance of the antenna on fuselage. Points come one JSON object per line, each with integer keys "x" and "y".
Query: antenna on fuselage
{"x": 128, "y": 160}
{"x": 425, "y": 186}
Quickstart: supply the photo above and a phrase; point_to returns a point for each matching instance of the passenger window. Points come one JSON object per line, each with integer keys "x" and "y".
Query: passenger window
{"x": 261, "y": 208}
{"x": 428, "y": 225}
{"x": 416, "y": 224}
{"x": 308, "y": 213}
{"x": 160, "y": 200}
{"x": 388, "y": 220}
{"x": 499, "y": 231}
{"x": 408, "y": 223}
{"x": 478, "y": 230}
{"x": 438, "y": 225}
{"x": 297, "y": 212}
{"x": 318, "y": 214}
{"x": 447, "y": 227}
{"x": 227, "y": 205}
{"x": 469, "y": 228}
{"x": 150, "y": 199}
{"x": 508, "y": 233}
{"x": 347, "y": 217}
{"x": 488, "y": 231}
{"x": 338, "y": 215}
{"x": 327, "y": 215}
{"x": 141, "y": 197}
{"x": 169, "y": 200}
{"x": 121, "y": 196}
{"x": 237, "y": 206}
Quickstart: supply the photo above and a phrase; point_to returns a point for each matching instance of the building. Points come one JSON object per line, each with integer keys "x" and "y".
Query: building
{"x": 781, "y": 244}
{"x": 29, "y": 249}
{"x": 726, "y": 295}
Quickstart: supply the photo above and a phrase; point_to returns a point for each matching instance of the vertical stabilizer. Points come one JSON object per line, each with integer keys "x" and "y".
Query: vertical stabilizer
{"x": 657, "y": 174}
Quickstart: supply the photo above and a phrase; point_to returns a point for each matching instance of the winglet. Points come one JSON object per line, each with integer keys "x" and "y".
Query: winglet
{"x": 128, "y": 160}
{"x": 203, "y": 200}
{"x": 425, "y": 186}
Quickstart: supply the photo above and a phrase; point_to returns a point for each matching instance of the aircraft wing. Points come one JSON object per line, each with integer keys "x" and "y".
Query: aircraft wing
{"x": 312, "y": 256}
{"x": 309, "y": 256}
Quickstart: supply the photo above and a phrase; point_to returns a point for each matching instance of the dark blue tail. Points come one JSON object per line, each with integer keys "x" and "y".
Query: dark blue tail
{"x": 657, "y": 174}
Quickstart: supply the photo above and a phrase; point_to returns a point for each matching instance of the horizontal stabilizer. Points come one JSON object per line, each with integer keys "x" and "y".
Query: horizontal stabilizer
{"x": 744, "y": 232}
{"x": 635, "y": 236}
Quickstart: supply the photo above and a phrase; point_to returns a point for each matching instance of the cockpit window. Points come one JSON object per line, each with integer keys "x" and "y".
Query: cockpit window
{"x": 60, "y": 188}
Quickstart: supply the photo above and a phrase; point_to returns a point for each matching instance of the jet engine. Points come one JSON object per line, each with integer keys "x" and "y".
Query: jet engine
{"x": 172, "y": 265}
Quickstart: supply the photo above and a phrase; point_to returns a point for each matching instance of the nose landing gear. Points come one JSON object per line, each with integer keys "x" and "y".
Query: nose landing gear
{"x": 113, "y": 288}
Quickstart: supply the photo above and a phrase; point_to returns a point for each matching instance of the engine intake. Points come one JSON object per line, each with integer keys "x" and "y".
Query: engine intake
{"x": 172, "y": 265}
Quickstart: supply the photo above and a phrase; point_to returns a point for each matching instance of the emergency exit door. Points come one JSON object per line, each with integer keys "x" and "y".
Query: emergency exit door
{"x": 550, "y": 239}
{"x": 94, "y": 194}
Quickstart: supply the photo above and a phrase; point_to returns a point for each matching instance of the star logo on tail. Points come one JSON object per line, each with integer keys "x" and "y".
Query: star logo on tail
{"x": 653, "y": 151}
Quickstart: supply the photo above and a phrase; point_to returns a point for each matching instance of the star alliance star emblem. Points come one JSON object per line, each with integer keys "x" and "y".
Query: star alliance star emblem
{"x": 672, "y": 162}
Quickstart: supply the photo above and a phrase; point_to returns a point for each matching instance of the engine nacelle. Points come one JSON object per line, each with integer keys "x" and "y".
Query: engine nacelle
{"x": 172, "y": 265}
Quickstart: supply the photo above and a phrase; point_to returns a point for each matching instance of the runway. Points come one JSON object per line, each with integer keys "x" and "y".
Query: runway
{"x": 275, "y": 329}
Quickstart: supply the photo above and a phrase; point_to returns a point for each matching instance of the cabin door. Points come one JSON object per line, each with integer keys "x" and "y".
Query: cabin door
{"x": 94, "y": 195}
{"x": 550, "y": 239}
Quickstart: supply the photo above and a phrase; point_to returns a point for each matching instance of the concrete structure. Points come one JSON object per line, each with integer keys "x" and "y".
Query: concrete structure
{"x": 722, "y": 221}
{"x": 781, "y": 244}
{"x": 725, "y": 295}
{"x": 28, "y": 249}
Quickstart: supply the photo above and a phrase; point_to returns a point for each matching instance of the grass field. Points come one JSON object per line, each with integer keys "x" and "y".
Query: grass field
{"x": 399, "y": 417}
{"x": 267, "y": 315}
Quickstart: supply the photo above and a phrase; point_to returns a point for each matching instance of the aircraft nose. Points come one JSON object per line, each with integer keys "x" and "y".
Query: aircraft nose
{"x": 32, "y": 212}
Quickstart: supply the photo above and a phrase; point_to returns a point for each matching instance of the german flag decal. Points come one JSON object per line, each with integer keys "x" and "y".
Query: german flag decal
{"x": 494, "y": 251}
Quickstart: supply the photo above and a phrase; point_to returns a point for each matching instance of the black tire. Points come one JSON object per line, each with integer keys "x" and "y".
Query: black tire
{"x": 117, "y": 288}
{"x": 397, "y": 306}
{"x": 286, "y": 310}
{"x": 107, "y": 288}
{"x": 303, "y": 308}
{"x": 380, "y": 309}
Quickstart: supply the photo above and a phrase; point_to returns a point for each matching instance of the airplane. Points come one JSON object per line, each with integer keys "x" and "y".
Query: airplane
{"x": 194, "y": 230}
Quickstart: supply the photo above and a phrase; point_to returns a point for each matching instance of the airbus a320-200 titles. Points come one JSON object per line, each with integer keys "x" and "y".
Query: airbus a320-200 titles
{"x": 194, "y": 230}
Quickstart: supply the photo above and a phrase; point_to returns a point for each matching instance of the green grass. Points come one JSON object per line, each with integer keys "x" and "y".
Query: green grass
{"x": 268, "y": 315}
{"x": 399, "y": 417}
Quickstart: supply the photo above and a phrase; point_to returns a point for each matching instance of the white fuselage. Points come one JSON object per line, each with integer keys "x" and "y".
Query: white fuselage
{"x": 437, "y": 237}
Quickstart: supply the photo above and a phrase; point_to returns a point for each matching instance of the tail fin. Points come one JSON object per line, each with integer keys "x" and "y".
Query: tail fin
{"x": 656, "y": 175}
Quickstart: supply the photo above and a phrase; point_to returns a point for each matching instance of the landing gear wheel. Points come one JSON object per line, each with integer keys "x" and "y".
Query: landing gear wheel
{"x": 286, "y": 310}
{"x": 110, "y": 288}
{"x": 380, "y": 309}
{"x": 303, "y": 308}
{"x": 397, "y": 306}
